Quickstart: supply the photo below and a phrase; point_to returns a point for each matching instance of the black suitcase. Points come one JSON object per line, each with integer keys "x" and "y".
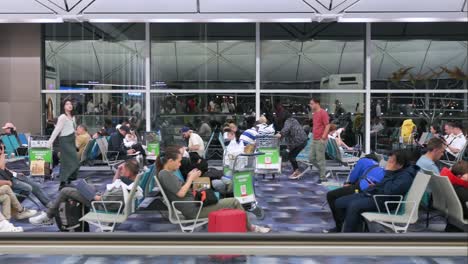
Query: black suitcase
{"x": 69, "y": 215}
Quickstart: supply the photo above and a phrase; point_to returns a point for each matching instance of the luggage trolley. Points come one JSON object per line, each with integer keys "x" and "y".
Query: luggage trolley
{"x": 40, "y": 156}
{"x": 243, "y": 172}
{"x": 270, "y": 162}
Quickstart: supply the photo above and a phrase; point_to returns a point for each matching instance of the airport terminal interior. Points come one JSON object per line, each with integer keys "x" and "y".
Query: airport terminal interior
{"x": 258, "y": 118}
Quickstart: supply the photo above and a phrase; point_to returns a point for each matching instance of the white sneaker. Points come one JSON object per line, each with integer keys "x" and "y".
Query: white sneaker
{"x": 6, "y": 226}
{"x": 261, "y": 229}
{"x": 41, "y": 219}
{"x": 26, "y": 213}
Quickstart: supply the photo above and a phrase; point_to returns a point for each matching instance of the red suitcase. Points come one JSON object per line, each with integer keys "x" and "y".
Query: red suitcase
{"x": 227, "y": 220}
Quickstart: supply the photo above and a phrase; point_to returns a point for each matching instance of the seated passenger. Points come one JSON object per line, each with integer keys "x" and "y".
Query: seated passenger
{"x": 365, "y": 172}
{"x": 116, "y": 143}
{"x": 81, "y": 140}
{"x": 399, "y": 175}
{"x": 231, "y": 126}
{"x": 20, "y": 183}
{"x": 124, "y": 176}
{"x": 455, "y": 141}
{"x": 195, "y": 142}
{"x": 176, "y": 190}
{"x": 250, "y": 134}
{"x": 458, "y": 176}
{"x": 435, "y": 150}
{"x": 6, "y": 226}
{"x": 10, "y": 203}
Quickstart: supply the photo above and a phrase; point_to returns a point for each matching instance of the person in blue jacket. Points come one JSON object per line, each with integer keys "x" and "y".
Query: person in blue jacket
{"x": 399, "y": 175}
{"x": 366, "y": 172}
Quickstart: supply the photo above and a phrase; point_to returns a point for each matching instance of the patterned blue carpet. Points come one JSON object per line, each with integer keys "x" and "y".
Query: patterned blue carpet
{"x": 290, "y": 206}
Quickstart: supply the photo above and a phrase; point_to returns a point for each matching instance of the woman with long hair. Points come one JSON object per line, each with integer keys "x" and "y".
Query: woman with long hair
{"x": 65, "y": 129}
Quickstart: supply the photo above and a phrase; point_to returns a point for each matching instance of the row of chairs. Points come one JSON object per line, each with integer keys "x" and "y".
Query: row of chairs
{"x": 12, "y": 145}
{"x": 445, "y": 200}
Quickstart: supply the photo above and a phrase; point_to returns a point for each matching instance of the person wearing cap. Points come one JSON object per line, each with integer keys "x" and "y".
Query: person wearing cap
{"x": 10, "y": 129}
{"x": 116, "y": 142}
{"x": 195, "y": 142}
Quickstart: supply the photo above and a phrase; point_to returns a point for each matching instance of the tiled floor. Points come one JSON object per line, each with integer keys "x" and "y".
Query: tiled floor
{"x": 290, "y": 206}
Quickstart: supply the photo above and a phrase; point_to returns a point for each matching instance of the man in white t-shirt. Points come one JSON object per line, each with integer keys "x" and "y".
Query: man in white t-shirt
{"x": 195, "y": 142}
{"x": 456, "y": 141}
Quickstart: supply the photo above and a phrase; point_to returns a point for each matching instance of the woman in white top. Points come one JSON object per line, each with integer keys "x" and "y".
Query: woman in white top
{"x": 65, "y": 129}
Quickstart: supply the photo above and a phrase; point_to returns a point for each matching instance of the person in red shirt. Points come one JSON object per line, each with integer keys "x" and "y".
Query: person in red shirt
{"x": 458, "y": 176}
{"x": 320, "y": 128}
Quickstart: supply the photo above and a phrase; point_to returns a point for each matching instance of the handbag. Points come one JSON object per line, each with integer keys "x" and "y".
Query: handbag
{"x": 206, "y": 196}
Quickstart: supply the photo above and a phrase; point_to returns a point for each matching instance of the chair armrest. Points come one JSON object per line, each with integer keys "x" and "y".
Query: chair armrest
{"x": 103, "y": 203}
{"x": 112, "y": 152}
{"x": 398, "y": 207}
{"x": 188, "y": 202}
{"x": 352, "y": 152}
{"x": 466, "y": 204}
{"x": 384, "y": 195}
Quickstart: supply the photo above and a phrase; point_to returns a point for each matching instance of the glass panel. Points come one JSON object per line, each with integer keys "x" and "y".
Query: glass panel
{"x": 94, "y": 56}
{"x": 424, "y": 109}
{"x": 173, "y": 111}
{"x": 93, "y": 110}
{"x": 345, "y": 110}
{"x": 409, "y": 56}
{"x": 312, "y": 56}
{"x": 203, "y": 56}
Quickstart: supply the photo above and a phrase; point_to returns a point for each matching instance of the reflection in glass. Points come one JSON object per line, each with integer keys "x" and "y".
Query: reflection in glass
{"x": 406, "y": 56}
{"x": 98, "y": 110}
{"x": 304, "y": 56}
{"x": 345, "y": 110}
{"x": 83, "y": 56}
{"x": 174, "y": 111}
{"x": 388, "y": 112}
{"x": 203, "y": 56}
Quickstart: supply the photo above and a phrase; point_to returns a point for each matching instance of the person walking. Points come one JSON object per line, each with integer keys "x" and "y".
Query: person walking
{"x": 296, "y": 140}
{"x": 320, "y": 127}
{"x": 66, "y": 125}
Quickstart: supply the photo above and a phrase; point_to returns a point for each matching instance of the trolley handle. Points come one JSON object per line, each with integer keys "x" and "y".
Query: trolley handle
{"x": 253, "y": 154}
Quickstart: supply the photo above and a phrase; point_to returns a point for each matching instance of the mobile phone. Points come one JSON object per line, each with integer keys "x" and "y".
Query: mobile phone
{"x": 369, "y": 181}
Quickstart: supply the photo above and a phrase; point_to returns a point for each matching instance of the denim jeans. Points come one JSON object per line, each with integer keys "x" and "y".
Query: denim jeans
{"x": 349, "y": 209}
{"x": 25, "y": 185}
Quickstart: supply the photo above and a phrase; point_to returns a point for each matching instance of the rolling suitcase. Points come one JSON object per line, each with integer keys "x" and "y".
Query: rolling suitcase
{"x": 227, "y": 220}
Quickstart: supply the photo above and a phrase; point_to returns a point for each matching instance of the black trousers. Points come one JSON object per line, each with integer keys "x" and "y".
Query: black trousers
{"x": 332, "y": 196}
{"x": 293, "y": 154}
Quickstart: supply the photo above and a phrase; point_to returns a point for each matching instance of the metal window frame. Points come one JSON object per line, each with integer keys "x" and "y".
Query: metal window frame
{"x": 147, "y": 90}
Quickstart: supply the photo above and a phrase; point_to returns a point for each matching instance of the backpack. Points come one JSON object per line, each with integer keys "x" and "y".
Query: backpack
{"x": 69, "y": 214}
{"x": 407, "y": 129}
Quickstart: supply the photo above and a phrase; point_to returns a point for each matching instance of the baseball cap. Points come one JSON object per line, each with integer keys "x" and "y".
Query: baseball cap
{"x": 9, "y": 125}
{"x": 184, "y": 129}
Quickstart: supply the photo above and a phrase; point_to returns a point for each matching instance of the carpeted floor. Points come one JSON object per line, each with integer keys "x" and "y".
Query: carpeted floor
{"x": 290, "y": 206}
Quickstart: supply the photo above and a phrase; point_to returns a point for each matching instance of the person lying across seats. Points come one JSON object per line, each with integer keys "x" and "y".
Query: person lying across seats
{"x": 366, "y": 173}
{"x": 20, "y": 183}
{"x": 399, "y": 175}
{"x": 176, "y": 190}
{"x": 123, "y": 179}
{"x": 458, "y": 176}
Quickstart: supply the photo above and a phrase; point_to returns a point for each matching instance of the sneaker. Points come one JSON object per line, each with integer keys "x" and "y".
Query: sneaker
{"x": 41, "y": 219}
{"x": 6, "y": 226}
{"x": 320, "y": 181}
{"x": 294, "y": 175}
{"x": 261, "y": 229}
{"x": 327, "y": 175}
{"x": 331, "y": 230}
{"x": 26, "y": 213}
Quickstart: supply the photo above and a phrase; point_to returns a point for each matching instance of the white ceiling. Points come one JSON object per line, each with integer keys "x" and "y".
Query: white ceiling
{"x": 231, "y": 10}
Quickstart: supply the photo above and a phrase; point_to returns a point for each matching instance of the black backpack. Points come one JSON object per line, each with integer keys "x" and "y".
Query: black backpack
{"x": 69, "y": 214}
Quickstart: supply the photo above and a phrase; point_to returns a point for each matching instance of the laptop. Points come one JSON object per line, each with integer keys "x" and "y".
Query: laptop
{"x": 86, "y": 190}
